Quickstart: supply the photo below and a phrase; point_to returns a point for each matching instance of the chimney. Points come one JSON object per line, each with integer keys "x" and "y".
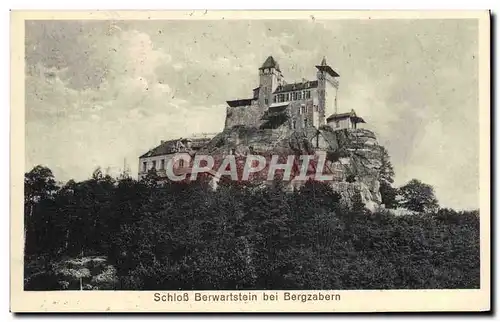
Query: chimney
{"x": 161, "y": 142}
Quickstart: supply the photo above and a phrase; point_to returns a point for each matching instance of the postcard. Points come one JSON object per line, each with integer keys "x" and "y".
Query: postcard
{"x": 250, "y": 161}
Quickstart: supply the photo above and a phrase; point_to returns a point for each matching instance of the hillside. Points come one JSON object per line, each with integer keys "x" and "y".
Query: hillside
{"x": 130, "y": 235}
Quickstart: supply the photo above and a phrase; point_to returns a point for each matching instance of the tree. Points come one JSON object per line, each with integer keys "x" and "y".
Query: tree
{"x": 388, "y": 194}
{"x": 386, "y": 169}
{"x": 151, "y": 179}
{"x": 418, "y": 196}
{"x": 39, "y": 183}
{"x": 39, "y": 186}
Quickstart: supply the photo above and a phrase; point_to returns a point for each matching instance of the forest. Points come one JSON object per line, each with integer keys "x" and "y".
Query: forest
{"x": 108, "y": 233}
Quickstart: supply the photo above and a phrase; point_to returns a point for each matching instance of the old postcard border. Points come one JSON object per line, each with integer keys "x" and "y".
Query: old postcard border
{"x": 144, "y": 301}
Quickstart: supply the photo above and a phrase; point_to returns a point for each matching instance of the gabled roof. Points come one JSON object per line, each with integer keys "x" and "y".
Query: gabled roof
{"x": 270, "y": 63}
{"x": 166, "y": 147}
{"x": 341, "y": 116}
{"x": 170, "y": 146}
{"x": 296, "y": 86}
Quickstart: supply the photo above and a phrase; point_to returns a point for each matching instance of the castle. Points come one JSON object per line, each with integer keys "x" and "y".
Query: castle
{"x": 274, "y": 107}
{"x": 275, "y": 103}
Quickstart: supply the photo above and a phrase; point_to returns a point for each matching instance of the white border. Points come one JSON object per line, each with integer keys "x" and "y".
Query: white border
{"x": 126, "y": 4}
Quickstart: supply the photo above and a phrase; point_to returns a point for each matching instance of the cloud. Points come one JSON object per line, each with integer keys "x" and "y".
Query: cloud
{"x": 178, "y": 66}
{"x": 139, "y": 54}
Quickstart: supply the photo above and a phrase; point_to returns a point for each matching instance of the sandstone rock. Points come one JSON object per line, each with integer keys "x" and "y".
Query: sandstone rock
{"x": 355, "y": 152}
{"x": 350, "y": 191}
{"x": 402, "y": 212}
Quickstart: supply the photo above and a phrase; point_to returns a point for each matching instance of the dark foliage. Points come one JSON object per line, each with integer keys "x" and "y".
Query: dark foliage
{"x": 188, "y": 236}
{"x": 418, "y": 196}
{"x": 387, "y": 192}
{"x": 388, "y": 195}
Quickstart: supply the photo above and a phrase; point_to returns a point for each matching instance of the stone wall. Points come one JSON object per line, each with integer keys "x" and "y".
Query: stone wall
{"x": 250, "y": 115}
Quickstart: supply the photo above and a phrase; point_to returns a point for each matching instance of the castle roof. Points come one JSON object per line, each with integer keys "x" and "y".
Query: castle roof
{"x": 270, "y": 63}
{"x": 296, "y": 86}
{"x": 170, "y": 146}
{"x": 166, "y": 147}
{"x": 241, "y": 102}
{"x": 325, "y": 68}
{"x": 328, "y": 70}
{"x": 341, "y": 116}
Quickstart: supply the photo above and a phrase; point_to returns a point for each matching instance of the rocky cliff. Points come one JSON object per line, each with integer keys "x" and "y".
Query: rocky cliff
{"x": 355, "y": 153}
{"x": 361, "y": 157}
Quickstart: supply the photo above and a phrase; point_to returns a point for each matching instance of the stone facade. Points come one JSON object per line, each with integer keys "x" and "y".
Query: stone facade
{"x": 304, "y": 104}
{"x": 246, "y": 114}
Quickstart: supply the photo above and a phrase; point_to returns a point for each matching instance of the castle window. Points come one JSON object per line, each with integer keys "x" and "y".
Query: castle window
{"x": 316, "y": 108}
{"x": 287, "y": 97}
{"x": 299, "y": 95}
{"x": 181, "y": 163}
{"x": 275, "y": 98}
{"x": 294, "y": 124}
{"x": 266, "y": 101}
{"x": 305, "y": 122}
{"x": 294, "y": 96}
{"x": 308, "y": 94}
{"x": 144, "y": 166}
{"x": 154, "y": 165}
{"x": 162, "y": 164}
{"x": 302, "y": 109}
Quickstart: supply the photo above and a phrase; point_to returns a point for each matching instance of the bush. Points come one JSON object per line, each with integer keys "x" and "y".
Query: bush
{"x": 190, "y": 237}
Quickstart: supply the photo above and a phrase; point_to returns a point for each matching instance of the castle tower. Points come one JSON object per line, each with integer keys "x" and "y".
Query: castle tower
{"x": 328, "y": 86}
{"x": 270, "y": 77}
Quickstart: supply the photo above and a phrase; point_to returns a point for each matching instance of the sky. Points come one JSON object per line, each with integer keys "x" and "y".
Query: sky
{"x": 99, "y": 93}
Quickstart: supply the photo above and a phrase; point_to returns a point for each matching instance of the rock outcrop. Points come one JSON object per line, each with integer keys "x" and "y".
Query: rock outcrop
{"x": 361, "y": 157}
